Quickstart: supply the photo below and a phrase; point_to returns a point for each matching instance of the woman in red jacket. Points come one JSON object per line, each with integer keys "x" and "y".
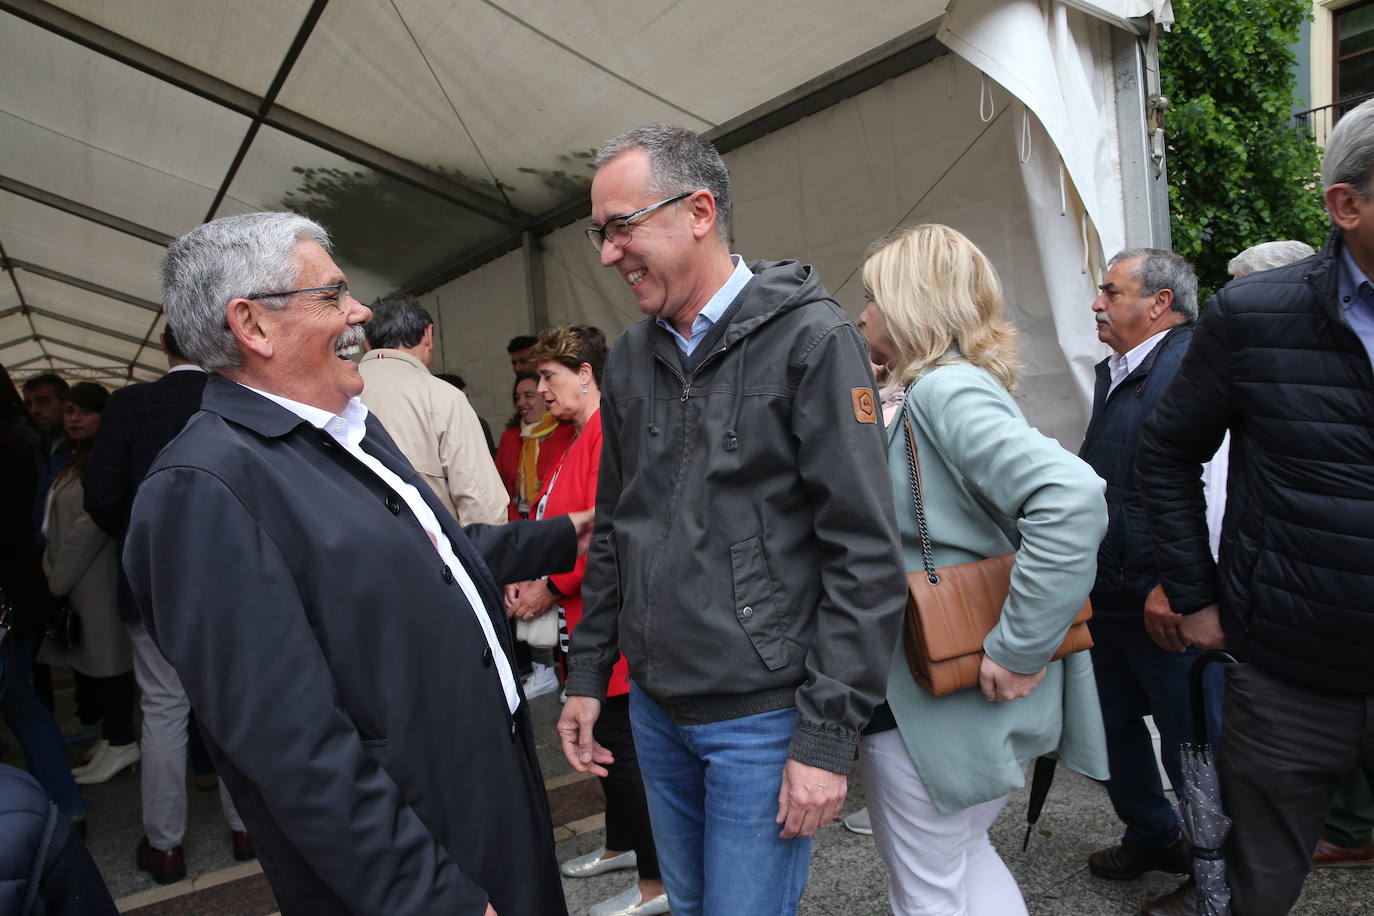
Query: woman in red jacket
{"x": 531, "y": 446}
{"x": 569, "y": 361}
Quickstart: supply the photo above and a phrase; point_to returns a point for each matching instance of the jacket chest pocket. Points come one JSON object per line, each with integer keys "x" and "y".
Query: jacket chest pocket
{"x": 756, "y": 606}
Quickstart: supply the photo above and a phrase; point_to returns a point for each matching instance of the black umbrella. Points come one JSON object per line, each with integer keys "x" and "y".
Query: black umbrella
{"x": 1199, "y": 801}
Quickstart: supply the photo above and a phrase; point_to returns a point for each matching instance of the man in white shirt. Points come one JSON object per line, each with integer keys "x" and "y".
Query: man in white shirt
{"x": 340, "y": 637}
{"x": 1145, "y": 312}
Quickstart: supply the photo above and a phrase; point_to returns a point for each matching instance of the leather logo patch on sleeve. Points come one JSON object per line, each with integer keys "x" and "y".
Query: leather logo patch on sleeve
{"x": 863, "y": 405}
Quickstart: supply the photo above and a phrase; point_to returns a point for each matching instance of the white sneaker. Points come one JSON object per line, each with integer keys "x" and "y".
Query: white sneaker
{"x": 859, "y": 823}
{"x": 107, "y": 765}
{"x": 97, "y": 750}
{"x": 542, "y": 680}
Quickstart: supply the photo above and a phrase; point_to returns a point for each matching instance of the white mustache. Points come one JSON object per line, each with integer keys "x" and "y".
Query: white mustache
{"x": 1102, "y": 319}
{"x": 353, "y": 337}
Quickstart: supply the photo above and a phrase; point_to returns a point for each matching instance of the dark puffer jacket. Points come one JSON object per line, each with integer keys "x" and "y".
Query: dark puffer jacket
{"x": 1126, "y": 568}
{"x": 1275, "y": 361}
{"x": 34, "y": 838}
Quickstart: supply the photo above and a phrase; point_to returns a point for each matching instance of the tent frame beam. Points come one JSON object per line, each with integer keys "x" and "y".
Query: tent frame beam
{"x": 81, "y": 348}
{"x": 86, "y": 285}
{"x": 212, "y": 89}
{"x": 91, "y": 214}
{"x": 84, "y": 325}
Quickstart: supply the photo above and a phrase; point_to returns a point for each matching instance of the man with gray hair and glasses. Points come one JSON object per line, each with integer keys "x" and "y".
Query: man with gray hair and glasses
{"x": 745, "y": 559}
{"x": 340, "y": 637}
{"x": 1281, "y": 359}
{"x": 432, "y": 422}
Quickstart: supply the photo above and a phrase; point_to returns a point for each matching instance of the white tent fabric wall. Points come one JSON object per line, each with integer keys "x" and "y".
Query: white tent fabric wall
{"x": 913, "y": 149}
{"x": 474, "y": 317}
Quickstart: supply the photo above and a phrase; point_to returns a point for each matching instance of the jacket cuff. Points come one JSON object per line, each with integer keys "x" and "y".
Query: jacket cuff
{"x": 587, "y": 682}
{"x": 825, "y": 748}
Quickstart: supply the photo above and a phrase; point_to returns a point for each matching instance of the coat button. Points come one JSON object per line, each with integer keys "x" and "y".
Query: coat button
{"x": 486, "y": 657}
{"x": 448, "y": 578}
{"x": 746, "y": 612}
{"x": 393, "y": 504}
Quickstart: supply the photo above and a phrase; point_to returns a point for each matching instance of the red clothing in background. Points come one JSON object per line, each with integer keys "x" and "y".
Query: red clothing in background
{"x": 574, "y": 489}
{"x": 551, "y": 449}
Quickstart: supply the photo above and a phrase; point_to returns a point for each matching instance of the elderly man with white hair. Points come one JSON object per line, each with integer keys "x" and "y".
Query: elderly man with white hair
{"x": 340, "y": 637}
{"x": 1267, "y": 256}
{"x": 1281, "y": 359}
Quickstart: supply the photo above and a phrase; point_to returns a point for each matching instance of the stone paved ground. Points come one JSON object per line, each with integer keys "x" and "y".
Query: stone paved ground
{"x": 847, "y": 876}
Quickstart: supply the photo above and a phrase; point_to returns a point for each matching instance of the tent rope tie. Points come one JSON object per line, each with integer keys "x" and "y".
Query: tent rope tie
{"x": 986, "y": 107}
{"x": 1083, "y": 226}
{"x": 1025, "y": 144}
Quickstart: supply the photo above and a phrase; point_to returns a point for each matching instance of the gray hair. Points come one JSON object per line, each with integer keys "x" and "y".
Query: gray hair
{"x": 1267, "y": 256}
{"x": 1161, "y": 269}
{"x": 229, "y": 258}
{"x": 397, "y": 321}
{"x": 680, "y": 160}
{"x": 1349, "y": 156}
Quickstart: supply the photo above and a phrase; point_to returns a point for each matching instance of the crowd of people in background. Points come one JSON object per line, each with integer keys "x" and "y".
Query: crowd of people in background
{"x": 699, "y": 535}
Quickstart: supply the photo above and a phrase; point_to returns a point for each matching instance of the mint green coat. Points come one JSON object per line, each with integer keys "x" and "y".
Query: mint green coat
{"x": 979, "y": 455}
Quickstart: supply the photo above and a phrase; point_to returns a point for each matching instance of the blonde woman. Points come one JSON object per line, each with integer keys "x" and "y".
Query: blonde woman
{"x": 937, "y": 770}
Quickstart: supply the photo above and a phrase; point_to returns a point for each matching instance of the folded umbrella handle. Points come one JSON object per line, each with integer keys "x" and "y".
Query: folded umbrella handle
{"x": 1196, "y": 689}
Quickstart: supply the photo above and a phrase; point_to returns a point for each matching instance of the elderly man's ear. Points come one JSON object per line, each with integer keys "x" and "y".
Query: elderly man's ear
{"x": 245, "y": 319}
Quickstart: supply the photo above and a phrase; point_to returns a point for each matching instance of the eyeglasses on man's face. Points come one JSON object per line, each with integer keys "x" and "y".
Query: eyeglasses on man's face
{"x": 617, "y": 228}
{"x": 340, "y": 289}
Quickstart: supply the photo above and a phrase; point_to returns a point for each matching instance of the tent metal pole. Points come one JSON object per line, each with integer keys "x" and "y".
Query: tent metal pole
{"x": 1140, "y": 140}
{"x": 87, "y": 285}
{"x": 94, "y": 352}
{"x": 91, "y": 214}
{"x": 536, "y": 289}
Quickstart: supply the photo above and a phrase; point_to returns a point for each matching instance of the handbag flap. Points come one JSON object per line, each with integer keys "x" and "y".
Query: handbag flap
{"x": 962, "y": 609}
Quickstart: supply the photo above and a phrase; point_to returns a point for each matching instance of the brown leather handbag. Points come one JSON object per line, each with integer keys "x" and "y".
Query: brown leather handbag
{"x": 951, "y": 609}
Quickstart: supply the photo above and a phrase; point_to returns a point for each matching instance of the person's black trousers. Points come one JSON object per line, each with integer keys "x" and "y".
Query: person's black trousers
{"x": 1285, "y": 749}
{"x": 627, "y": 809}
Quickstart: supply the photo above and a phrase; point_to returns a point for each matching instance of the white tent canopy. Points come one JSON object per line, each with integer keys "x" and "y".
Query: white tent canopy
{"x": 446, "y": 145}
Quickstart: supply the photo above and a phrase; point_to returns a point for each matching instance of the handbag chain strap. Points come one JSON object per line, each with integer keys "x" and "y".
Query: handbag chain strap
{"x": 927, "y": 555}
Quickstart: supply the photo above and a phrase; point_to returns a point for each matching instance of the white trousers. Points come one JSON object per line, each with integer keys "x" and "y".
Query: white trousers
{"x": 939, "y": 865}
{"x": 163, "y": 746}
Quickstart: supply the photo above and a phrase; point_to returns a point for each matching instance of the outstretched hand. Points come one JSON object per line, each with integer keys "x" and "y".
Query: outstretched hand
{"x": 575, "y": 734}
{"x": 583, "y": 522}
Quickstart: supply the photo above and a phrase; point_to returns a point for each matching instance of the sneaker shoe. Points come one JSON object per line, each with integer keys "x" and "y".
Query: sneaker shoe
{"x": 595, "y": 863}
{"x": 165, "y": 865}
{"x": 94, "y": 754}
{"x": 109, "y": 764}
{"x": 629, "y": 902}
{"x": 859, "y": 823}
{"x": 542, "y": 680}
{"x": 241, "y": 846}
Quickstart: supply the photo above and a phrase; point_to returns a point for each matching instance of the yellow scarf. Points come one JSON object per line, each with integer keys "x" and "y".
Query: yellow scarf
{"x": 527, "y": 483}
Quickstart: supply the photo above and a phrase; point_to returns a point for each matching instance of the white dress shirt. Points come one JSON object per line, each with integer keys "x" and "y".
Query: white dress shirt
{"x": 348, "y": 429}
{"x": 1122, "y": 365}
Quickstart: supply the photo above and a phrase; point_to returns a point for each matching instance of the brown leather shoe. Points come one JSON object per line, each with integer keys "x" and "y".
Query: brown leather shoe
{"x": 165, "y": 865}
{"x": 1329, "y": 855}
{"x": 1127, "y": 860}
{"x": 242, "y": 846}
{"x": 1181, "y": 901}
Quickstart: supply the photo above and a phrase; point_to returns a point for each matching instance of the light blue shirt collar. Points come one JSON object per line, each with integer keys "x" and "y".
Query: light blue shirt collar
{"x": 1357, "y": 300}
{"x": 714, "y": 308}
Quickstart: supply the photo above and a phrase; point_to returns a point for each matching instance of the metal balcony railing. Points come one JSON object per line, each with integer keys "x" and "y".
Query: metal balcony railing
{"x": 1319, "y": 121}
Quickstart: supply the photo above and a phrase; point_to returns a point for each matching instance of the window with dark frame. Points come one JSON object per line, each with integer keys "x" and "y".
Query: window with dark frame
{"x": 1353, "y": 55}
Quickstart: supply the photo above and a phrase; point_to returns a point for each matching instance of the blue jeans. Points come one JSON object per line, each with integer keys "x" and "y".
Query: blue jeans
{"x": 713, "y": 800}
{"x": 45, "y": 755}
{"x": 1136, "y": 678}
